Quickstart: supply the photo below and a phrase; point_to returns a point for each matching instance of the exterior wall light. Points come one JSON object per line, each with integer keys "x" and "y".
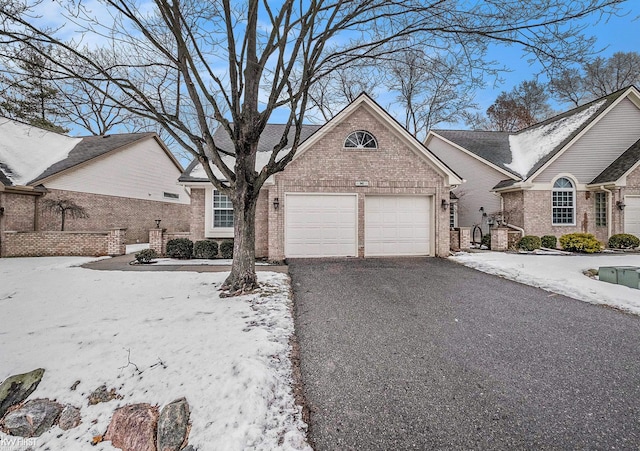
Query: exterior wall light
{"x": 620, "y": 205}
{"x": 158, "y": 223}
{"x": 276, "y": 203}
{"x": 444, "y": 204}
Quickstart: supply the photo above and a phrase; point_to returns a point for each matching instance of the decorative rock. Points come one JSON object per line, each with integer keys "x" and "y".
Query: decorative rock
{"x": 101, "y": 394}
{"x": 16, "y": 389}
{"x": 32, "y": 419}
{"x": 173, "y": 426}
{"x": 133, "y": 428}
{"x": 69, "y": 418}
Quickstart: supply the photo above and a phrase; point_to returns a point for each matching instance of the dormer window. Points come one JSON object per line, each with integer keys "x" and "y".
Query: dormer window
{"x": 360, "y": 140}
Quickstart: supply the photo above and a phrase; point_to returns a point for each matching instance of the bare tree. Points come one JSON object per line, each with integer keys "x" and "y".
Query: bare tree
{"x": 192, "y": 65}
{"x": 597, "y": 78}
{"x": 431, "y": 88}
{"x": 340, "y": 87}
{"x": 523, "y": 106}
{"x": 64, "y": 208}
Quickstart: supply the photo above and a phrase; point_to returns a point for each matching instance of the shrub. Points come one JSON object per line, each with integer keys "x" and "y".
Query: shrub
{"x": 529, "y": 243}
{"x": 580, "y": 242}
{"x": 226, "y": 249}
{"x": 181, "y": 248}
{"x": 549, "y": 241}
{"x": 486, "y": 240}
{"x": 205, "y": 249}
{"x": 623, "y": 241}
{"x": 146, "y": 255}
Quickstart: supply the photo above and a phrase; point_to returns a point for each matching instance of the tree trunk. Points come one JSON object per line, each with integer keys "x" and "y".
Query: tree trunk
{"x": 62, "y": 214}
{"x": 243, "y": 269}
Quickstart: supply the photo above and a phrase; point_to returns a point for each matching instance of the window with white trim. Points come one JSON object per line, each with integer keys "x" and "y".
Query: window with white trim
{"x": 360, "y": 139}
{"x": 222, "y": 210}
{"x": 563, "y": 201}
{"x": 601, "y": 209}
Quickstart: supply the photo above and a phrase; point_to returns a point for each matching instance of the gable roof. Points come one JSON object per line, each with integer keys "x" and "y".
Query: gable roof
{"x": 527, "y": 151}
{"x": 620, "y": 166}
{"x": 28, "y": 154}
{"x": 269, "y": 138}
{"x": 492, "y": 147}
{"x": 383, "y": 115}
{"x": 91, "y": 147}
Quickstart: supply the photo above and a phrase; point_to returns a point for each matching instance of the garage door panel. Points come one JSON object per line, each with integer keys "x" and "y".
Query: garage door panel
{"x": 320, "y": 225}
{"x": 632, "y": 215}
{"x": 397, "y": 225}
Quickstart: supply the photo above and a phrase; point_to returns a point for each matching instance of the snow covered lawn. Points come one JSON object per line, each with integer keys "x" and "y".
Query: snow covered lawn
{"x": 154, "y": 337}
{"x": 562, "y": 274}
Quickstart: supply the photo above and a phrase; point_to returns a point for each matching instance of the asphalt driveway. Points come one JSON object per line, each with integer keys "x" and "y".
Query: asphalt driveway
{"x": 428, "y": 354}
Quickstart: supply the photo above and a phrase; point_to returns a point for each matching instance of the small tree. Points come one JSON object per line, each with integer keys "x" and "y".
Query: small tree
{"x": 64, "y": 207}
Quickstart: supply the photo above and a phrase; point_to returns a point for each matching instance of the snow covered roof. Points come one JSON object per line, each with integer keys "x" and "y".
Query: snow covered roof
{"x": 27, "y": 151}
{"x": 525, "y": 152}
{"x": 30, "y": 154}
{"x": 268, "y": 140}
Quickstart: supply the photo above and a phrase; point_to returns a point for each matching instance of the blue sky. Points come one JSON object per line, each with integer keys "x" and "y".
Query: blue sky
{"x": 618, "y": 34}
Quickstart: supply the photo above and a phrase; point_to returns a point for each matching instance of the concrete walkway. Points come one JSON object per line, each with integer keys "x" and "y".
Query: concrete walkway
{"x": 122, "y": 263}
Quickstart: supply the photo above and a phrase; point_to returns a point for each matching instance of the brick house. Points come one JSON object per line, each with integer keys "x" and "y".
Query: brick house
{"x": 576, "y": 172}
{"x": 359, "y": 186}
{"x": 122, "y": 180}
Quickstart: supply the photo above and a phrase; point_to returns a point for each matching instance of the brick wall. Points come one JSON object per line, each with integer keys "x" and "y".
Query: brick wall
{"x": 392, "y": 169}
{"x": 19, "y": 211}
{"x": 197, "y": 212}
{"x": 106, "y": 212}
{"x": 50, "y": 243}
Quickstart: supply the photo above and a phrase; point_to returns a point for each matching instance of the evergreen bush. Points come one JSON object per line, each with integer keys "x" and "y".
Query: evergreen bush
{"x": 205, "y": 249}
{"x": 181, "y": 248}
{"x": 226, "y": 249}
{"x": 580, "y": 242}
{"x": 529, "y": 243}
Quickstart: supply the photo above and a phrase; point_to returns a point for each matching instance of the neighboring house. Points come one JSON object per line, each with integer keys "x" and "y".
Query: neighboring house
{"x": 576, "y": 172}
{"x": 121, "y": 180}
{"x": 360, "y": 185}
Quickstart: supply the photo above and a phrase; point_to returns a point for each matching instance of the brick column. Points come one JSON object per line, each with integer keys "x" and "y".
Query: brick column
{"x": 465, "y": 238}
{"x": 116, "y": 242}
{"x": 155, "y": 240}
{"x": 499, "y": 239}
{"x": 454, "y": 239}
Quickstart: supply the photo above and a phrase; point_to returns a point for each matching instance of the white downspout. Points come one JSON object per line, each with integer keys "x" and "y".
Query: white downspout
{"x": 609, "y": 213}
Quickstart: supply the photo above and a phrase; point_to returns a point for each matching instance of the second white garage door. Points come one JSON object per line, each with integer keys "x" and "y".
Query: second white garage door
{"x": 397, "y": 225}
{"x": 632, "y": 215}
{"x": 321, "y": 225}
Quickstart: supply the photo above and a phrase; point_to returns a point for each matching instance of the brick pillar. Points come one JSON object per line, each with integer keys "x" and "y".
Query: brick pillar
{"x": 155, "y": 240}
{"x": 499, "y": 239}
{"x": 465, "y": 238}
{"x": 454, "y": 239}
{"x": 116, "y": 242}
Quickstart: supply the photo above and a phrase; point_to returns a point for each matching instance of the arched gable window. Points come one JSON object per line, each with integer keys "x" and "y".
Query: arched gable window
{"x": 564, "y": 202}
{"x": 360, "y": 140}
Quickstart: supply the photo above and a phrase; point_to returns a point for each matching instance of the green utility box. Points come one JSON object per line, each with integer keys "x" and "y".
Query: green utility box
{"x": 614, "y": 274}
{"x": 630, "y": 278}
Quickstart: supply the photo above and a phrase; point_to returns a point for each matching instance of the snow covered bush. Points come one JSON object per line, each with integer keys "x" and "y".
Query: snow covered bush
{"x": 146, "y": 255}
{"x": 529, "y": 243}
{"x": 580, "y": 242}
{"x": 226, "y": 249}
{"x": 624, "y": 241}
{"x": 181, "y": 248}
{"x": 549, "y": 241}
{"x": 205, "y": 249}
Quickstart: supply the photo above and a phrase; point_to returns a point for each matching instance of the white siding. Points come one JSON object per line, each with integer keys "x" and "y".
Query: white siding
{"x": 141, "y": 171}
{"x": 480, "y": 178}
{"x": 599, "y": 147}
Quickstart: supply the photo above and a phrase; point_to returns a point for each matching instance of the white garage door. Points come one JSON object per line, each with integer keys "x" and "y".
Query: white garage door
{"x": 397, "y": 225}
{"x": 321, "y": 225}
{"x": 632, "y": 215}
